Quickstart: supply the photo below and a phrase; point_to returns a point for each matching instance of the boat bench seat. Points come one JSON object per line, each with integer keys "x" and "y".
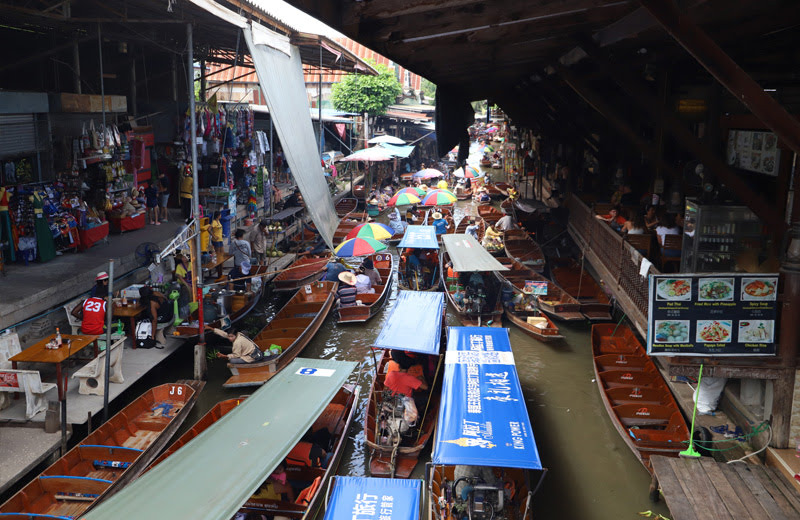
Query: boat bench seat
{"x": 644, "y": 415}
{"x": 369, "y": 298}
{"x": 92, "y": 375}
{"x": 331, "y": 418}
{"x": 66, "y": 484}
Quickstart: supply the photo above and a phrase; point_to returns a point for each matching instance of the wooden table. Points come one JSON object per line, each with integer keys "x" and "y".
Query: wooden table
{"x": 221, "y": 259}
{"x": 131, "y": 312}
{"x": 39, "y": 353}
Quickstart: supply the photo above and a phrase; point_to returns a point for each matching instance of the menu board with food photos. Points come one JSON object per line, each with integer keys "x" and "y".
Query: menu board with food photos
{"x": 712, "y": 314}
{"x": 756, "y": 151}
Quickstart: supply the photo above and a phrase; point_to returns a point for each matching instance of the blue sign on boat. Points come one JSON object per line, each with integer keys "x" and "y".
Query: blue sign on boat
{"x": 360, "y": 498}
{"x": 483, "y": 420}
{"x": 415, "y": 324}
{"x": 420, "y": 237}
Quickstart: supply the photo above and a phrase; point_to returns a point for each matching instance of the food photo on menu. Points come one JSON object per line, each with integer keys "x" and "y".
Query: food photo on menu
{"x": 714, "y": 331}
{"x": 674, "y": 289}
{"x": 672, "y": 331}
{"x": 756, "y": 331}
{"x": 759, "y": 289}
{"x": 715, "y": 289}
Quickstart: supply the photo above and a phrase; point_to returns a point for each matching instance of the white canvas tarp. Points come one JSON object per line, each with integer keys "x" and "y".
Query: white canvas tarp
{"x": 280, "y": 75}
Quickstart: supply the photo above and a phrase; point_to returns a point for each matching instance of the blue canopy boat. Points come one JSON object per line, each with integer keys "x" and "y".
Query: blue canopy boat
{"x": 418, "y": 237}
{"x": 373, "y": 498}
{"x": 414, "y": 327}
{"x": 484, "y": 451}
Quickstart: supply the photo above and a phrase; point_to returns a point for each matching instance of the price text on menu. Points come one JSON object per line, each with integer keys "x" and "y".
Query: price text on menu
{"x": 712, "y": 314}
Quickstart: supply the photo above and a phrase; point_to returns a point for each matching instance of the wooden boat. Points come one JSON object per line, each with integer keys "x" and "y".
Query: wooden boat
{"x": 241, "y": 305}
{"x": 521, "y": 247}
{"x": 567, "y": 273}
{"x": 110, "y": 457}
{"x": 462, "y": 192}
{"x": 345, "y": 206}
{"x": 491, "y": 315}
{"x": 635, "y": 395}
{"x": 371, "y": 303}
{"x": 507, "y": 206}
{"x": 336, "y": 418}
{"x": 535, "y": 324}
{"x": 490, "y": 214}
{"x": 497, "y": 189}
{"x": 304, "y": 270}
{"x": 440, "y": 490}
{"x": 359, "y": 191}
{"x": 216, "y": 413}
{"x": 485, "y": 162}
{"x": 556, "y": 303}
{"x": 291, "y": 329}
{"x": 385, "y": 460}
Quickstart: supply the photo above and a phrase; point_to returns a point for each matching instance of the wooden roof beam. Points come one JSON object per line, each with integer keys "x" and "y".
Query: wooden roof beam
{"x": 725, "y": 70}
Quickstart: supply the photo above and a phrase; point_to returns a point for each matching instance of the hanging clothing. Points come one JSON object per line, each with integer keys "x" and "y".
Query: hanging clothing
{"x": 6, "y": 234}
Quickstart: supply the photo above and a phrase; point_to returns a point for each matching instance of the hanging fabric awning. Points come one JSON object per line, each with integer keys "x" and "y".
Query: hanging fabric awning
{"x": 483, "y": 419}
{"x": 280, "y": 75}
{"x": 415, "y": 324}
{"x": 401, "y": 152}
{"x": 362, "y": 498}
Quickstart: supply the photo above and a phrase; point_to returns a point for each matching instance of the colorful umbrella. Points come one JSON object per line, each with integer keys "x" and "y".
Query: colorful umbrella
{"x": 439, "y": 198}
{"x": 428, "y": 173}
{"x": 470, "y": 172}
{"x": 404, "y": 199}
{"x": 413, "y": 190}
{"x": 371, "y": 230}
{"x": 358, "y": 247}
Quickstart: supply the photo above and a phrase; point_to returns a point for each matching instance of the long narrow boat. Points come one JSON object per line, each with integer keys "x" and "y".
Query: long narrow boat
{"x": 635, "y": 395}
{"x": 497, "y": 189}
{"x": 424, "y": 238}
{"x": 110, "y": 457}
{"x": 489, "y": 213}
{"x": 393, "y": 451}
{"x": 336, "y": 419}
{"x": 303, "y": 271}
{"x": 371, "y": 304}
{"x": 345, "y": 206}
{"x": 521, "y": 247}
{"x": 470, "y": 259}
{"x": 480, "y": 472}
{"x": 359, "y": 191}
{"x": 581, "y": 285}
{"x": 462, "y": 192}
{"x": 214, "y": 475}
{"x": 461, "y": 228}
{"x": 535, "y": 324}
{"x": 291, "y": 329}
{"x": 239, "y": 308}
{"x": 556, "y": 303}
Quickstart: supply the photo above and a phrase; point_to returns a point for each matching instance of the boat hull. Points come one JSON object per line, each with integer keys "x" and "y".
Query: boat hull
{"x": 303, "y": 271}
{"x": 373, "y": 303}
{"x": 549, "y": 333}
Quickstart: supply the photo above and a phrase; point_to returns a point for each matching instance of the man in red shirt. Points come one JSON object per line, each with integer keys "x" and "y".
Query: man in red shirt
{"x": 401, "y": 382}
{"x": 93, "y": 309}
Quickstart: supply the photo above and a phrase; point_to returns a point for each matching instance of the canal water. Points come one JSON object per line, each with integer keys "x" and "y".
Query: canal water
{"x": 592, "y": 473}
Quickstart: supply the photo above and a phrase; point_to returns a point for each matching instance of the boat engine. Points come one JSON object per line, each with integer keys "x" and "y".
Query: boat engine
{"x": 476, "y": 500}
{"x": 397, "y": 416}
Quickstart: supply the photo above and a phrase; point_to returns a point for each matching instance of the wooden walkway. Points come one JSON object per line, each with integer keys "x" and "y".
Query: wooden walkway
{"x": 704, "y": 489}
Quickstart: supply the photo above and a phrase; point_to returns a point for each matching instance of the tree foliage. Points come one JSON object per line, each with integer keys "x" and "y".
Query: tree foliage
{"x": 371, "y": 94}
{"x": 429, "y": 90}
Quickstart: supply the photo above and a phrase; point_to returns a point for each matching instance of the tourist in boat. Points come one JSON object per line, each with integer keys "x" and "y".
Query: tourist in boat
{"x": 505, "y": 223}
{"x": 397, "y": 225}
{"x": 332, "y": 271}
{"x": 244, "y": 349}
{"x": 483, "y": 195}
{"x": 277, "y": 486}
{"x": 237, "y": 277}
{"x": 439, "y": 223}
{"x": 472, "y": 229}
{"x": 371, "y": 272}
{"x": 363, "y": 282}
{"x": 347, "y": 292}
{"x": 308, "y": 454}
{"x": 400, "y": 381}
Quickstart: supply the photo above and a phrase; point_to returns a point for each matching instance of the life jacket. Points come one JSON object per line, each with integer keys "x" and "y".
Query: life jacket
{"x": 300, "y": 455}
{"x": 305, "y": 496}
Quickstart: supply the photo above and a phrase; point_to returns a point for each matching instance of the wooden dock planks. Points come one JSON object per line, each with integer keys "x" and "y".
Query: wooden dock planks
{"x": 703, "y": 488}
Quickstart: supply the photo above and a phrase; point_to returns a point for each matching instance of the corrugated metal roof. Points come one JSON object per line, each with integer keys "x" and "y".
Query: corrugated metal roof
{"x": 294, "y": 18}
{"x": 468, "y": 256}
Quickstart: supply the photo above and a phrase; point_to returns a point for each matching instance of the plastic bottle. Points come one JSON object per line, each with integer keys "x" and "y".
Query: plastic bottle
{"x": 58, "y": 337}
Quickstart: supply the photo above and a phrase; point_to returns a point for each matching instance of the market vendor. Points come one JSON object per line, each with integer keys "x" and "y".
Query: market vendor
{"x": 492, "y": 238}
{"x": 244, "y": 349}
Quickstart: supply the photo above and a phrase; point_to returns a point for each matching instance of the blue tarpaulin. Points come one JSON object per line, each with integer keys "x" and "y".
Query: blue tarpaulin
{"x": 415, "y": 324}
{"x": 420, "y": 237}
{"x": 360, "y": 498}
{"x": 483, "y": 420}
{"x": 398, "y": 150}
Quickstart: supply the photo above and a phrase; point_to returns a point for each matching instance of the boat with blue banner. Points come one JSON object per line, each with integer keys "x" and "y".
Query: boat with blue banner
{"x": 217, "y": 474}
{"x": 413, "y": 334}
{"x": 472, "y": 289}
{"x": 373, "y": 499}
{"x": 485, "y": 463}
{"x": 422, "y": 276}
{"x": 109, "y": 458}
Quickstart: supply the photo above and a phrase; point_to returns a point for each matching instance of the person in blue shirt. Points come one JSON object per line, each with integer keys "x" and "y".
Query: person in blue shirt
{"x": 440, "y": 224}
{"x": 332, "y": 271}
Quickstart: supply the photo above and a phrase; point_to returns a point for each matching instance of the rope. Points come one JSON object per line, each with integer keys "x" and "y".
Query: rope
{"x": 761, "y": 428}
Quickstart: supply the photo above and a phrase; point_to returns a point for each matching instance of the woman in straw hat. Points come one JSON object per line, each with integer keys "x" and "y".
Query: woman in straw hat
{"x": 347, "y": 289}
